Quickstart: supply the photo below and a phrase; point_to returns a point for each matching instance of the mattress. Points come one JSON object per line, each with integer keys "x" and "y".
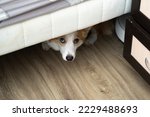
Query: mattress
{"x": 14, "y": 11}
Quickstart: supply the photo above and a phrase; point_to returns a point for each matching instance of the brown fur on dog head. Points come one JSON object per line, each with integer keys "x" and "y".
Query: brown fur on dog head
{"x": 82, "y": 34}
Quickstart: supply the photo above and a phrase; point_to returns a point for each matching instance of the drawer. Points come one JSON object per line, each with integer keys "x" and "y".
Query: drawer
{"x": 141, "y": 13}
{"x": 137, "y": 48}
{"x": 141, "y": 54}
{"x": 144, "y": 8}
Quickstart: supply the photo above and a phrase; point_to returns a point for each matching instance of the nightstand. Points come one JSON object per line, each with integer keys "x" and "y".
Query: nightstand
{"x": 137, "y": 38}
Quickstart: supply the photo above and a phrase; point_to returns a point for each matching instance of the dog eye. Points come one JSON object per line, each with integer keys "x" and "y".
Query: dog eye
{"x": 76, "y": 41}
{"x": 62, "y": 40}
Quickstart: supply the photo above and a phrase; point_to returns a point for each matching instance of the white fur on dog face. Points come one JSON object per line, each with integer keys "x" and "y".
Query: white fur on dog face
{"x": 69, "y": 48}
{"x": 67, "y": 44}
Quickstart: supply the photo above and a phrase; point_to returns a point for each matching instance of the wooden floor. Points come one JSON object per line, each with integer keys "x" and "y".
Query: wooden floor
{"x": 99, "y": 72}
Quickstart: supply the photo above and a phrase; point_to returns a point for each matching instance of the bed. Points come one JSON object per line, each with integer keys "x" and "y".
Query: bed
{"x": 28, "y": 22}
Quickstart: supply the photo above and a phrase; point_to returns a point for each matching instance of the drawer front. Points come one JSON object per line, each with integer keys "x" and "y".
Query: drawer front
{"x": 141, "y": 13}
{"x": 144, "y": 8}
{"x": 140, "y": 53}
{"x": 137, "y": 48}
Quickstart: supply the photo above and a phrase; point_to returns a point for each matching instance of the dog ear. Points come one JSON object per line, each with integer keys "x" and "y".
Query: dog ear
{"x": 84, "y": 32}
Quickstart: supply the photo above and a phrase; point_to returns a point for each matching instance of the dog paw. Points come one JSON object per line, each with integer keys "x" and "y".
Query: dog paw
{"x": 45, "y": 46}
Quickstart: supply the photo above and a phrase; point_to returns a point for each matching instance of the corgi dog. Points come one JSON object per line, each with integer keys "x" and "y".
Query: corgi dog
{"x": 68, "y": 44}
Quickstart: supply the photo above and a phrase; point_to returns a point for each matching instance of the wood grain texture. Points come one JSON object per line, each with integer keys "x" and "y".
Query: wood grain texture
{"x": 98, "y": 72}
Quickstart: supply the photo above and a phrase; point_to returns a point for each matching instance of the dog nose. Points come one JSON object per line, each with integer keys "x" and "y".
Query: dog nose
{"x": 69, "y": 58}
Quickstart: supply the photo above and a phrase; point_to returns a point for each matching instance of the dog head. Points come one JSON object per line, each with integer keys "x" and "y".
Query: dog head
{"x": 69, "y": 43}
